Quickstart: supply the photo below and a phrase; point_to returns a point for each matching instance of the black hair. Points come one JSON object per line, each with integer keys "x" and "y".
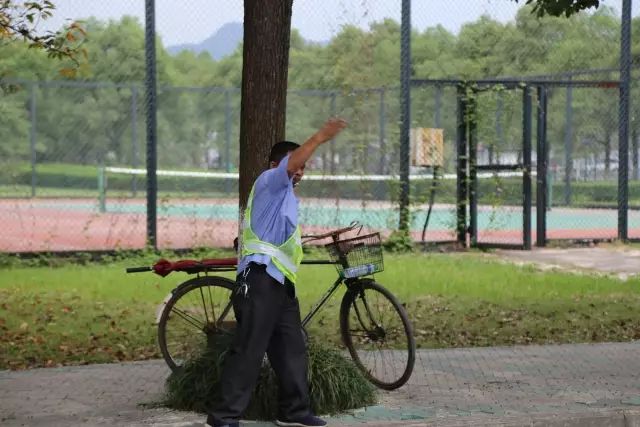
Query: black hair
{"x": 281, "y": 149}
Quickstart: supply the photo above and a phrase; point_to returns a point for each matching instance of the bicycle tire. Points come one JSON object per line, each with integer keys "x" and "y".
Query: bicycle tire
{"x": 365, "y": 290}
{"x": 205, "y": 321}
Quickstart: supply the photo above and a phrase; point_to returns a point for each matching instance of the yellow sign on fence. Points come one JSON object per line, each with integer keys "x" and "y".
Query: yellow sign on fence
{"x": 427, "y": 147}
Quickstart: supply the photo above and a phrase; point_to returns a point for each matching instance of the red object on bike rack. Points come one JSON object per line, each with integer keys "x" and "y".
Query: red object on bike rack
{"x": 164, "y": 267}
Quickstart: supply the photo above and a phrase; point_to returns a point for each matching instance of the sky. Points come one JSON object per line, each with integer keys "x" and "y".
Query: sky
{"x": 191, "y": 21}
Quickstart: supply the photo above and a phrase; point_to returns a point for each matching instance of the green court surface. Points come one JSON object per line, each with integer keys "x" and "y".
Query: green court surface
{"x": 329, "y": 214}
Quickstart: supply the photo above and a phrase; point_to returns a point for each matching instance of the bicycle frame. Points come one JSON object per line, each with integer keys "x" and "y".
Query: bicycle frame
{"x": 318, "y": 305}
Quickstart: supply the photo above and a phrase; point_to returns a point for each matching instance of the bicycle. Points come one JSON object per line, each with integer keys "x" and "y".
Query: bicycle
{"x": 373, "y": 323}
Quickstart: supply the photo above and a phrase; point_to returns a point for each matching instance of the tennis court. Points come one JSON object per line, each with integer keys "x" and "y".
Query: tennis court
{"x": 62, "y": 224}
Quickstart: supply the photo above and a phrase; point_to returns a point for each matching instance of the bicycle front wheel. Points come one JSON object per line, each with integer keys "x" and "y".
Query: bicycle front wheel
{"x": 376, "y": 330}
{"x": 198, "y": 314}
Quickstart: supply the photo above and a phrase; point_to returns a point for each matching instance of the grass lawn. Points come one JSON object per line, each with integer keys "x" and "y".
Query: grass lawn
{"x": 73, "y": 314}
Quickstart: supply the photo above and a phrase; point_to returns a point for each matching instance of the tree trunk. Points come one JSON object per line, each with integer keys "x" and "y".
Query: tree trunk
{"x": 267, "y": 27}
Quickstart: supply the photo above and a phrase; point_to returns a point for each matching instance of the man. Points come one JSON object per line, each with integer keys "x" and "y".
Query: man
{"x": 267, "y": 311}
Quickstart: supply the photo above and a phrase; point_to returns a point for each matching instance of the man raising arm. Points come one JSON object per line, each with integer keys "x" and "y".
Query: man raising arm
{"x": 266, "y": 309}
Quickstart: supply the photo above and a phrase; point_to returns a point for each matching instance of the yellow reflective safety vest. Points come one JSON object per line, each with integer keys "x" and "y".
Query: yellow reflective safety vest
{"x": 286, "y": 257}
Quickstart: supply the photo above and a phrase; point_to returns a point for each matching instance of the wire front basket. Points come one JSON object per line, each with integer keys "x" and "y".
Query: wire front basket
{"x": 358, "y": 256}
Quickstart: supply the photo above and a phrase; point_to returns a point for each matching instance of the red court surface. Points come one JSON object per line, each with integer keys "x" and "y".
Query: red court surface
{"x": 30, "y": 228}
{"x": 45, "y": 226}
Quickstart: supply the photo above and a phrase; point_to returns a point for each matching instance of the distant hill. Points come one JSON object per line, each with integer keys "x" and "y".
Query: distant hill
{"x": 222, "y": 43}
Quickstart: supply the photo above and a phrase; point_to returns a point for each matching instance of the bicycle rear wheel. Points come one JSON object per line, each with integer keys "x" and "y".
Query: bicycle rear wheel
{"x": 376, "y": 330}
{"x": 198, "y": 314}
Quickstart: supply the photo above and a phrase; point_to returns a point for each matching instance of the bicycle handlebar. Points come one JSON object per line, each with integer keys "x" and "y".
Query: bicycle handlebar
{"x": 333, "y": 233}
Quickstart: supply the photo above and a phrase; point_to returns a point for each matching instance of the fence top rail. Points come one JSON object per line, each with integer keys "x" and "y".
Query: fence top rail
{"x": 217, "y": 89}
{"x": 515, "y": 83}
{"x": 108, "y": 85}
{"x": 66, "y": 83}
{"x": 571, "y": 74}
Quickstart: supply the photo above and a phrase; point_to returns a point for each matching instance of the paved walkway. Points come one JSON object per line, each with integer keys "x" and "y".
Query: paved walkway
{"x": 551, "y": 385}
{"x": 621, "y": 261}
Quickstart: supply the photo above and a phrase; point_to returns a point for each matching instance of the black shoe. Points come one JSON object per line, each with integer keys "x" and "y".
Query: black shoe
{"x": 222, "y": 425}
{"x": 308, "y": 421}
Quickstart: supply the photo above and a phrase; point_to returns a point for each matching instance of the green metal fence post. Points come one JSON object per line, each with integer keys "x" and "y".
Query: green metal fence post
{"x": 623, "y": 122}
{"x": 472, "y": 117}
{"x": 151, "y": 101}
{"x": 461, "y": 167}
{"x": 33, "y": 136}
{"x": 102, "y": 189}
{"x": 405, "y": 113}
{"x": 526, "y": 173}
{"x": 541, "y": 169}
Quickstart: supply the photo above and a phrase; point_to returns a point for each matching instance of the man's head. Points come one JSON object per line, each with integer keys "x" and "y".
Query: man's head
{"x": 279, "y": 151}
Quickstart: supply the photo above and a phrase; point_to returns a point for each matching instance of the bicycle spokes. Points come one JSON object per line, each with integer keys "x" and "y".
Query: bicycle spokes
{"x": 379, "y": 336}
{"x": 377, "y": 322}
{"x": 193, "y": 320}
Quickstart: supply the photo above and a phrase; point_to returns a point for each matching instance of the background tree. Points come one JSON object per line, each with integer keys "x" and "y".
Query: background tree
{"x": 20, "y": 19}
{"x": 561, "y": 7}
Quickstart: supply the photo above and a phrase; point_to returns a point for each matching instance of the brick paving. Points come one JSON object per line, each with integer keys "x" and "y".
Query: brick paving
{"x": 520, "y": 385}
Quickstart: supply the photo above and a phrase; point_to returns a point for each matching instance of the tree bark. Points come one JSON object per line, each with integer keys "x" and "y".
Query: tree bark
{"x": 267, "y": 28}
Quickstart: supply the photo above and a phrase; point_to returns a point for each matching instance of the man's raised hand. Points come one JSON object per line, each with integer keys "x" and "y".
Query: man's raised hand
{"x": 331, "y": 128}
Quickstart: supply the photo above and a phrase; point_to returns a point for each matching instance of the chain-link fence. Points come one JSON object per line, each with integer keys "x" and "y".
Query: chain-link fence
{"x": 582, "y": 175}
{"x": 74, "y": 151}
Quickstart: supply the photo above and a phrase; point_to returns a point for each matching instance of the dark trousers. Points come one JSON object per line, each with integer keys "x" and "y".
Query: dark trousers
{"x": 268, "y": 320}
